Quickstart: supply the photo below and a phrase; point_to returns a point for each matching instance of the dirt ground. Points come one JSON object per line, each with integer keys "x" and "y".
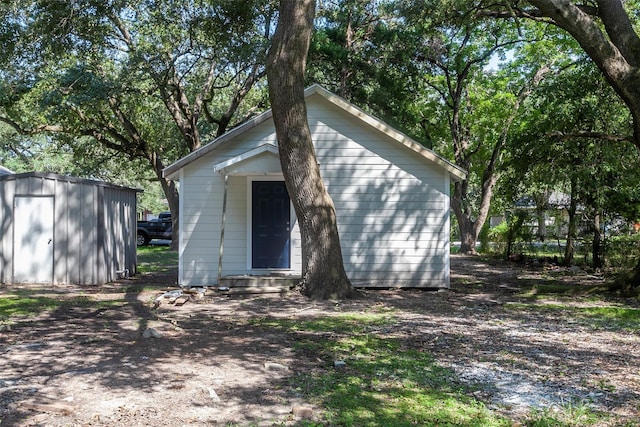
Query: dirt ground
{"x": 205, "y": 363}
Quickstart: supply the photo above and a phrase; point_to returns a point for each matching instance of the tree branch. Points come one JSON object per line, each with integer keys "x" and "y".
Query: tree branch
{"x": 621, "y": 75}
{"x": 562, "y": 136}
{"x": 620, "y": 30}
{"x": 255, "y": 75}
{"x": 24, "y": 131}
{"x": 534, "y": 14}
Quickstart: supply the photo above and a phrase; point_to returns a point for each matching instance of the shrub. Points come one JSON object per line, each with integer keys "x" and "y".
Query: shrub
{"x": 510, "y": 232}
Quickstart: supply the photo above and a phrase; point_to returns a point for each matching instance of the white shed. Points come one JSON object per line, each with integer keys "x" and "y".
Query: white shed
{"x": 65, "y": 230}
{"x": 391, "y": 196}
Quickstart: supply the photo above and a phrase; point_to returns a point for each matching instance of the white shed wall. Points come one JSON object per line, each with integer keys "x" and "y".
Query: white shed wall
{"x": 392, "y": 206}
{"x": 201, "y": 198}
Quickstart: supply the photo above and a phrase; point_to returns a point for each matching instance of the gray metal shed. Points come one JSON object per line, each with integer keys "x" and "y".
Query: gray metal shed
{"x": 65, "y": 230}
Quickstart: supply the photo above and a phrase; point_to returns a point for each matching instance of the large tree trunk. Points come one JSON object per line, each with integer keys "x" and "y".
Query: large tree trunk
{"x": 542, "y": 206}
{"x": 466, "y": 225}
{"x": 628, "y": 282}
{"x": 323, "y": 274}
{"x": 470, "y": 228}
{"x": 170, "y": 191}
{"x": 572, "y": 231}
{"x": 596, "y": 246}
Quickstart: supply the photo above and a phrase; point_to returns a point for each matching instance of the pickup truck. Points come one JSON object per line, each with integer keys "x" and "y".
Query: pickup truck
{"x": 159, "y": 228}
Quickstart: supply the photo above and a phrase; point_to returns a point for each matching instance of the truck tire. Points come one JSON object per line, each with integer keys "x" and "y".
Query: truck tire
{"x": 142, "y": 239}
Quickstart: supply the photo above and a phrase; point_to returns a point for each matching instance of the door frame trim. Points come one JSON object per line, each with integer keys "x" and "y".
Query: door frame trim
{"x": 249, "y": 211}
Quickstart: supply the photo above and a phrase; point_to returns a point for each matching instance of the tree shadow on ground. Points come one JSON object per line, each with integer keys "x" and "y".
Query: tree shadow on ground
{"x": 225, "y": 362}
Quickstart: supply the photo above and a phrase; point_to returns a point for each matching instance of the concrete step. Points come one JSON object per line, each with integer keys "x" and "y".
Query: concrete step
{"x": 258, "y": 284}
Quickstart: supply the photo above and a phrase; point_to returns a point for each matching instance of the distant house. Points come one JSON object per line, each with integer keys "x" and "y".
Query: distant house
{"x": 550, "y": 222}
{"x": 391, "y": 196}
{"x": 64, "y": 230}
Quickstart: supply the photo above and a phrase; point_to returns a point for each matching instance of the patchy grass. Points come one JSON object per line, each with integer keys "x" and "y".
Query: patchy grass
{"x": 154, "y": 259}
{"x": 384, "y": 382}
{"x": 27, "y": 303}
{"x": 568, "y": 415}
{"x": 344, "y": 323}
{"x": 552, "y": 289}
{"x": 597, "y": 317}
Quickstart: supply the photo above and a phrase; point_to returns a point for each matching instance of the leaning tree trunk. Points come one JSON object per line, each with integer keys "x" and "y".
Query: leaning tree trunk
{"x": 170, "y": 191}
{"x": 572, "y": 231}
{"x": 596, "y": 246}
{"x": 323, "y": 274}
{"x": 542, "y": 206}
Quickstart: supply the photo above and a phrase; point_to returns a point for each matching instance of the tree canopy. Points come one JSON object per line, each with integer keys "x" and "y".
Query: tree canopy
{"x": 147, "y": 80}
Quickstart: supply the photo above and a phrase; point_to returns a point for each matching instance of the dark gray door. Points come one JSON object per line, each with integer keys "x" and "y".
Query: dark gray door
{"x": 271, "y": 235}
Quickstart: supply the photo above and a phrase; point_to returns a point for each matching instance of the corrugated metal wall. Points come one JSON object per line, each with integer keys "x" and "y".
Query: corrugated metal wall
{"x": 94, "y": 227}
{"x": 118, "y": 232}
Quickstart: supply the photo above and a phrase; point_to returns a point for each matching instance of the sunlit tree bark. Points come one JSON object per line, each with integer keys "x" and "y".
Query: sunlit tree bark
{"x": 323, "y": 274}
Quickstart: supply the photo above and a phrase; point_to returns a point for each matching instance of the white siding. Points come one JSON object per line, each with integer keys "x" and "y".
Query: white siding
{"x": 201, "y": 199}
{"x": 202, "y": 195}
{"x": 392, "y": 205}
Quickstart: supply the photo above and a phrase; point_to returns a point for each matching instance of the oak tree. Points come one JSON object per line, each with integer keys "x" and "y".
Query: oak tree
{"x": 605, "y": 31}
{"x": 323, "y": 274}
{"x": 150, "y": 80}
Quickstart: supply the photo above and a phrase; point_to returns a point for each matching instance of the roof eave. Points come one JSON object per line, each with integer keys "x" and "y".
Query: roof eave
{"x": 456, "y": 173}
{"x": 171, "y": 172}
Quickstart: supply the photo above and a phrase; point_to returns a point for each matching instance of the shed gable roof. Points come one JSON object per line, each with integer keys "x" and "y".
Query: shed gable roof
{"x": 456, "y": 173}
